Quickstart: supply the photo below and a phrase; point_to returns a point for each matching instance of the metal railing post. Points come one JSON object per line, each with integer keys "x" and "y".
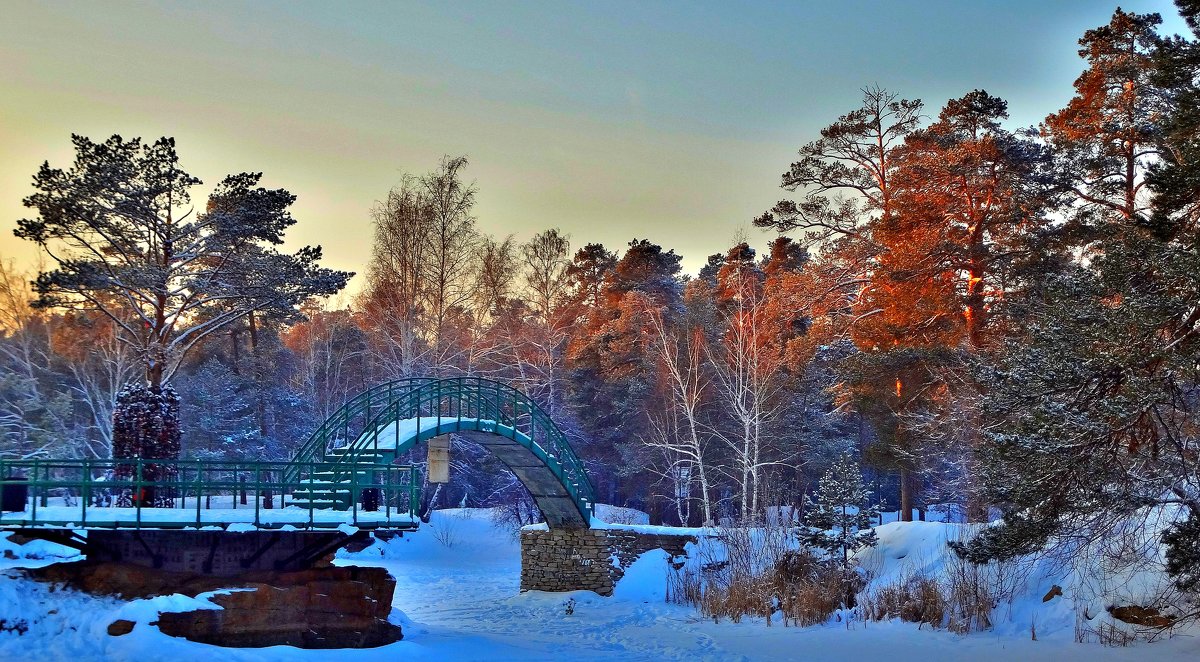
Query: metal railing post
{"x": 138, "y": 491}
{"x": 257, "y": 490}
{"x": 390, "y": 493}
{"x": 34, "y": 494}
{"x": 311, "y": 483}
{"x": 86, "y": 489}
{"x": 354, "y": 494}
{"x": 199, "y": 488}
{"x": 412, "y": 490}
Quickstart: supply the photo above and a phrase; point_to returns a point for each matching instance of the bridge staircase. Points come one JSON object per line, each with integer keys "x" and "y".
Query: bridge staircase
{"x": 333, "y": 488}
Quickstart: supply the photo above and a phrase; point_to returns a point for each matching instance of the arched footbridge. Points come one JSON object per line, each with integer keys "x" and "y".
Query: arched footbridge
{"x": 344, "y": 474}
{"x": 380, "y": 424}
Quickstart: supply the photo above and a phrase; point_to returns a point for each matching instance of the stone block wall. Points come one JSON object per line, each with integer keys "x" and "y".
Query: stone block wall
{"x": 566, "y": 560}
{"x": 586, "y": 559}
{"x": 627, "y": 546}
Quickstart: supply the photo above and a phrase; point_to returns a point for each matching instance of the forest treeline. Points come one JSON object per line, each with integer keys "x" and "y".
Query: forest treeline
{"x": 987, "y": 316}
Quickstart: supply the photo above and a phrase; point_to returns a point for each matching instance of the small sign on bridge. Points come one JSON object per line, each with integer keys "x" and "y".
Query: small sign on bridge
{"x": 439, "y": 459}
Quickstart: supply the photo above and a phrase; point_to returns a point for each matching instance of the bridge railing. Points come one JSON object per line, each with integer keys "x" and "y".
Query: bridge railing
{"x": 155, "y": 493}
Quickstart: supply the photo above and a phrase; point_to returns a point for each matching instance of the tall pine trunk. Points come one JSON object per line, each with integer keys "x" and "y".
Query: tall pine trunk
{"x": 906, "y": 495}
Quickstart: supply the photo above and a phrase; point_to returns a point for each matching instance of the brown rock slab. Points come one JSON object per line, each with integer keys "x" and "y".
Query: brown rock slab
{"x": 1144, "y": 616}
{"x": 306, "y": 615}
{"x": 324, "y": 607}
{"x": 120, "y": 627}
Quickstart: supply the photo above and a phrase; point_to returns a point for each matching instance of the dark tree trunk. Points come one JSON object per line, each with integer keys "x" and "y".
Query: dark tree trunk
{"x": 906, "y": 496}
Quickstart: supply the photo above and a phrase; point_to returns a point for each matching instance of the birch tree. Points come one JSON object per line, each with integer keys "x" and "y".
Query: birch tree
{"x": 749, "y": 374}
{"x": 676, "y": 432}
{"x": 32, "y": 416}
{"x": 424, "y": 274}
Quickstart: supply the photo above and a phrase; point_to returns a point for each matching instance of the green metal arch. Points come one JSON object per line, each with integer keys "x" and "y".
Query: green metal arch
{"x": 440, "y": 406}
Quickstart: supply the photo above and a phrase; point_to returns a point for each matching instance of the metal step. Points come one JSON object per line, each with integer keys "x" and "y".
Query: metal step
{"x": 332, "y": 504}
{"x": 329, "y": 477}
{"x": 305, "y": 493}
{"x": 364, "y": 456}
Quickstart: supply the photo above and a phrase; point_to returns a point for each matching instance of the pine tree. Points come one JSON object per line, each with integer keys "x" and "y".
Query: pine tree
{"x": 118, "y": 226}
{"x": 839, "y": 515}
{"x": 1111, "y": 131}
{"x": 846, "y": 174}
{"x": 1183, "y": 552}
{"x": 1091, "y": 413}
{"x": 610, "y": 353}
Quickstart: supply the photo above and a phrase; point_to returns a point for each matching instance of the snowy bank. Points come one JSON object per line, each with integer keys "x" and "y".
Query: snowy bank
{"x": 458, "y": 598}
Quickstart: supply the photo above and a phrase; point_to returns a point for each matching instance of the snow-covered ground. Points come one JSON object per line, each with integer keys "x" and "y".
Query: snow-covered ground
{"x": 457, "y": 598}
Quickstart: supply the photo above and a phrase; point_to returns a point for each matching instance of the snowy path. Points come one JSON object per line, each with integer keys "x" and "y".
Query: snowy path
{"x": 461, "y": 602}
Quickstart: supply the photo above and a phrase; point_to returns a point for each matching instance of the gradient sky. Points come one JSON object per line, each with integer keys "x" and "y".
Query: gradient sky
{"x": 610, "y": 120}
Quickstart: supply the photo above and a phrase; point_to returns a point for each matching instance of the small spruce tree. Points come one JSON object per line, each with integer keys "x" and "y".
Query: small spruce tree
{"x": 839, "y": 515}
{"x": 1182, "y": 542}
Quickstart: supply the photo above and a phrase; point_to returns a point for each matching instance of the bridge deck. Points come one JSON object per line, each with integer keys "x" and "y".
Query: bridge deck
{"x": 243, "y": 518}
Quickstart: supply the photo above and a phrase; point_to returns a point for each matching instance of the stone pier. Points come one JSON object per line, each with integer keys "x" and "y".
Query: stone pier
{"x": 586, "y": 559}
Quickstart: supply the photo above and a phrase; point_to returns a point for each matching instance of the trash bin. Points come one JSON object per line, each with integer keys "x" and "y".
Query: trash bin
{"x": 370, "y": 499}
{"x": 13, "y": 494}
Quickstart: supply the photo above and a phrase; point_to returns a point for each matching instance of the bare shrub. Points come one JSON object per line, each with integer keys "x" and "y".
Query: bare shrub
{"x": 757, "y": 572}
{"x": 1106, "y": 634}
{"x": 511, "y": 515}
{"x": 732, "y": 577}
{"x": 1117, "y": 568}
{"x": 809, "y": 591}
{"x": 684, "y": 586}
{"x": 445, "y": 530}
{"x": 971, "y": 592}
{"x": 615, "y": 515}
{"x": 962, "y": 598}
{"x": 916, "y": 599}
{"x": 1111, "y": 635}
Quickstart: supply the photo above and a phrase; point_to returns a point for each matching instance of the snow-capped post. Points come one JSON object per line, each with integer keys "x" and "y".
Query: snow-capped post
{"x": 146, "y": 427}
{"x": 125, "y": 240}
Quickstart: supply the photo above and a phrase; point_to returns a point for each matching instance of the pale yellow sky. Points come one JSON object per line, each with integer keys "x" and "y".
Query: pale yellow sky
{"x": 611, "y": 121}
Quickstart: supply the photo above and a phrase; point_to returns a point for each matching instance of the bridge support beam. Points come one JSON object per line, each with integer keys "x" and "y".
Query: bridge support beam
{"x": 553, "y": 500}
{"x": 217, "y": 553}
